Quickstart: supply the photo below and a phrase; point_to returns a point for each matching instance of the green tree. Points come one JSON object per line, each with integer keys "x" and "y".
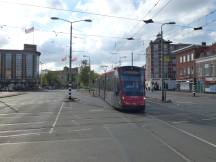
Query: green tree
{"x": 84, "y": 75}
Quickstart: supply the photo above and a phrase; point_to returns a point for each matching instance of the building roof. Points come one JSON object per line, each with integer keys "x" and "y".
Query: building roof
{"x": 207, "y": 58}
{"x": 186, "y": 48}
{"x": 27, "y": 48}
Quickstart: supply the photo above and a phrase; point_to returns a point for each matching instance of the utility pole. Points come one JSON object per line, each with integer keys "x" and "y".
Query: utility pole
{"x": 70, "y": 57}
{"x": 41, "y": 82}
{"x": 132, "y": 58}
{"x": 163, "y": 98}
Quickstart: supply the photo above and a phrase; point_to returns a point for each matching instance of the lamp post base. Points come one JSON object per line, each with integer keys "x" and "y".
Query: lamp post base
{"x": 163, "y": 96}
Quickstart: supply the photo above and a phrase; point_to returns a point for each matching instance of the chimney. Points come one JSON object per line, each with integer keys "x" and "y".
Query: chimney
{"x": 203, "y": 44}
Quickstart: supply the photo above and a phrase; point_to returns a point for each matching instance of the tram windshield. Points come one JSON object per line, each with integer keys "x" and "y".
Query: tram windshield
{"x": 132, "y": 83}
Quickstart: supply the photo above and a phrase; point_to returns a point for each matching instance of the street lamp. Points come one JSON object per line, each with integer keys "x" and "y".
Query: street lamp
{"x": 148, "y": 21}
{"x": 194, "y": 74}
{"x": 198, "y": 28}
{"x": 89, "y": 69}
{"x": 162, "y": 62}
{"x": 70, "y": 58}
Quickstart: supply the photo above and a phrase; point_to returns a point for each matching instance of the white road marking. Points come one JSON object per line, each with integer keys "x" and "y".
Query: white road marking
{"x": 57, "y": 117}
{"x": 22, "y": 130}
{"x": 6, "y": 114}
{"x": 96, "y": 110}
{"x": 179, "y": 122}
{"x": 25, "y": 134}
{"x": 24, "y": 123}
{"x": 169, "y": 146}
{"x": 208, "y": 119}
{"x": 32, "y": 114}
{"x": 54, "y": 141}
{"x": 79, "y": 130}
{"x": 187, "y": 133}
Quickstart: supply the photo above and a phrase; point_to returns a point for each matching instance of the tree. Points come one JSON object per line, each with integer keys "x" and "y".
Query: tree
{"x": 84, "y": 75}
{"x": 51, "y": 79}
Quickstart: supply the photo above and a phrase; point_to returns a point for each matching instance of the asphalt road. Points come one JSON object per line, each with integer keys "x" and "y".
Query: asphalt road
{"x": 44, "y": 127}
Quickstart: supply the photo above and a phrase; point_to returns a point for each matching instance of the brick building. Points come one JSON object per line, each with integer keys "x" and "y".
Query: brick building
{"x": 206, "y": 70}
{"x": 19, "y": 69}
{"x": 153, "y": 63}
{"x": 185, "y": 65}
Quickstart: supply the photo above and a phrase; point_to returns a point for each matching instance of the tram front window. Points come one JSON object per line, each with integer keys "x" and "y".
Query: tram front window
{"x": 132, "y": 86}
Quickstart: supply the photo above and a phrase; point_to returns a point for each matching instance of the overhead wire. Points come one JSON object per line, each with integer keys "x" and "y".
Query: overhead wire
{"x": 148, "y": 12}
{"x": 157, "y": 2}
{"x": 157, "y": 13}
{"x": 60, "y": 32}
{"x": 198, "y": 19}
{"x": 69, "y": 10}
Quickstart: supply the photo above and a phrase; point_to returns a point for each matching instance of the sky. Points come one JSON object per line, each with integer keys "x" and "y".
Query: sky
{"x": 105, "y": 38}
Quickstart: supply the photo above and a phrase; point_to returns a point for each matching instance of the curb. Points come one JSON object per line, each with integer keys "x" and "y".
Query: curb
{"x": 12, "y": 95}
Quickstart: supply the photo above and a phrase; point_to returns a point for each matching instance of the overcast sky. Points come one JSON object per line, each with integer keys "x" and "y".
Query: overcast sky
{"x": 104, "y": 39}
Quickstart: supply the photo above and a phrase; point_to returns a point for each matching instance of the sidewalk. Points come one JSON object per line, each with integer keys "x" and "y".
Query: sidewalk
{"x": 10, "y": 94}
{"x": 181, "y": 96}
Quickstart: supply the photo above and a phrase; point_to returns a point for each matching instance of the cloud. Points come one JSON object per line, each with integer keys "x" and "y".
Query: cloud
{"x": 3, "y": 40}
{"x": 112, "y": 31}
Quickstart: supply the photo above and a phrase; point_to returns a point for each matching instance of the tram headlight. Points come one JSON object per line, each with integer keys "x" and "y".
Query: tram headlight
{"x": 123, "y": 98}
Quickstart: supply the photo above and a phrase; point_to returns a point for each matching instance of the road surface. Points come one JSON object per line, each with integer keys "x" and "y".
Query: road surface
{"x": 45, "y": 127}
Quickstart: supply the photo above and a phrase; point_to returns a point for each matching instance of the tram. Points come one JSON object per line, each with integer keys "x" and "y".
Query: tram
{"x": 123, "y": 87}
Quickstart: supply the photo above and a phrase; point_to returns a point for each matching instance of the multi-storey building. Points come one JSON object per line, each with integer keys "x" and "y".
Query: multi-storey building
{"x": 153, "y": 63}
{"x": 206, "y": 70}
{"x": 185, "y": 65}
{"x": 19, "y": 69}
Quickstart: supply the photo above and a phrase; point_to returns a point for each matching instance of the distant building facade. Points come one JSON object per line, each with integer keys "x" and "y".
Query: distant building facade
{"x": 19, "y": 69}
{"x": 206, "y": 70}
{"x": 186, "y": 65}
{"x": 63, "y": 76}
{"x": 153, "y": 63}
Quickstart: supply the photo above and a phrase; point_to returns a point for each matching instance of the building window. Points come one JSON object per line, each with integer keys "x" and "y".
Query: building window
{"x": 188, "y": 58}
{"x": 184, "y": 58}
{"x": 192, "y": 71}
{"x": 155, "y": 47}
{"x": 185, "y": 71}
{"x": 189, "y": 71}
{"x": 29, "y": 65}
{"x": 8, "y": 64}
{"x": 180, "y": 72}
{"x": 180, "y": 59}
{"x": 18, "y": 66}
{"x": 192, "y": 57}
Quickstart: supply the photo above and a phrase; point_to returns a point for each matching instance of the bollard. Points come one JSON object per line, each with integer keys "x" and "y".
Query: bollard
{"x": 69, "y": 91}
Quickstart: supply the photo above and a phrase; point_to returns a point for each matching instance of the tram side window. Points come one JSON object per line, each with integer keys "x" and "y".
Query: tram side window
{"x": 109, "y": 83}
{"x": 117, "y": 90}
